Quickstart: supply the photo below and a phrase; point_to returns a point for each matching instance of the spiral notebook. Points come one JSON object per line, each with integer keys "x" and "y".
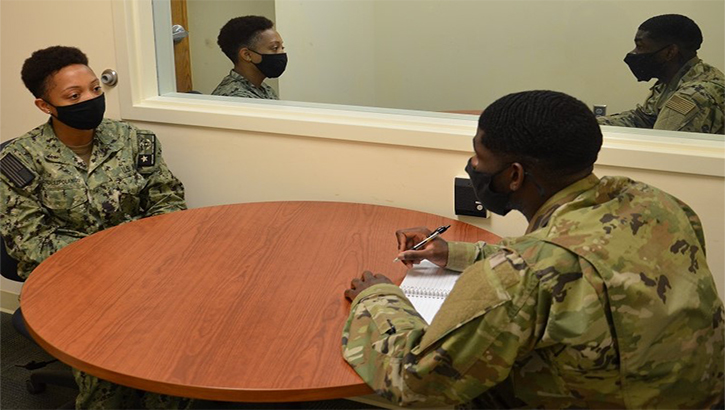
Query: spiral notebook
{"x": 427, "y": 285}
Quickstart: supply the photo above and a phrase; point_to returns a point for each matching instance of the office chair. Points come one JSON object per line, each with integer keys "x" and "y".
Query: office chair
{"x": 38, "y": 380}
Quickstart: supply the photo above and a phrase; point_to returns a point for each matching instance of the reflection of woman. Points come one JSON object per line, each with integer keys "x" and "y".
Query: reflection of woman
{"x": 75, "y": 175}
{"x": 257, "y": 51}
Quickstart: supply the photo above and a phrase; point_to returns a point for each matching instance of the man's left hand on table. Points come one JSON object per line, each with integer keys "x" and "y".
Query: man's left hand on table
{"x": 368, "y": 279}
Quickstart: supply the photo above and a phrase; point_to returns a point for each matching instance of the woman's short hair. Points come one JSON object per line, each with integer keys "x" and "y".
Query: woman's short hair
{"x": 42, "y": 64}
{"x": 241, "y": 32}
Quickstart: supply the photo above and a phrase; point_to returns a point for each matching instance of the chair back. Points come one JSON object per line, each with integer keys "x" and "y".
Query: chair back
{"x": 8, "y": 265}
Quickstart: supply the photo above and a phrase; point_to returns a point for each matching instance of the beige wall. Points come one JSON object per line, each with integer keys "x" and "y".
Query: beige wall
{"x": 222, "y": 166}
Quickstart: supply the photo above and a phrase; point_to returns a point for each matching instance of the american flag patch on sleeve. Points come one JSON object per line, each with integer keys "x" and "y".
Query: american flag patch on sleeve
{"x": 15, "y": 171}
{"x": 680, "y": 104}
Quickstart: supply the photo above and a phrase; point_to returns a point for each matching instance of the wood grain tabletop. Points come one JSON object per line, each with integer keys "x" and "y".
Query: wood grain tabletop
{"x": 237, "y": 302}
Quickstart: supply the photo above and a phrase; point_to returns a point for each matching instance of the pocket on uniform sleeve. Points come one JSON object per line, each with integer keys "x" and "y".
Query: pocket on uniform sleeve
{"x": 480, "y": 289}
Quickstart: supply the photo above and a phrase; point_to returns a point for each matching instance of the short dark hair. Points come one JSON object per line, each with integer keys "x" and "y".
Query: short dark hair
{"x": 548, "y": 130}
{"x": 241, "y": 32}
{"x": 42, "y": 64}
{"x": 674, "y": 28}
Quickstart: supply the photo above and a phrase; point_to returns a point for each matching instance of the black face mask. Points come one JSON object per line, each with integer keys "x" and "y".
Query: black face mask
{"x": 644, "y": 66}
{"x": 496, "y": 202}
{"x": 82, "y": 116}
{"x": 272, "y": 65}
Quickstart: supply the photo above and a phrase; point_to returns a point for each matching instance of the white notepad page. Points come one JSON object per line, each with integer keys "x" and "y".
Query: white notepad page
{"x": 427, "y": 285}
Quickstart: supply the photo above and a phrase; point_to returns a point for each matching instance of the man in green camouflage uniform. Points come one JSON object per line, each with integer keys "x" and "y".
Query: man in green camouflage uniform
{"x": 605, "y": 302}
{"x": 689, "y": 94}
{"x": 256, "y": 49}
{"x": 76, "y": 175}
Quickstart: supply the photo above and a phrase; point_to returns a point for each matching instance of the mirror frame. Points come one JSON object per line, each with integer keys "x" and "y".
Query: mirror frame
{"x": 140, "y": 99}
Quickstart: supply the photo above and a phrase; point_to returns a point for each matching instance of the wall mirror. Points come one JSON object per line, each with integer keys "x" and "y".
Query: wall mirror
{"x": 433, "y": 55}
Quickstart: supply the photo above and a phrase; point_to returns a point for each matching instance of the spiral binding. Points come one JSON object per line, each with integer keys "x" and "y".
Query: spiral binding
{"x": 425, "y": 292}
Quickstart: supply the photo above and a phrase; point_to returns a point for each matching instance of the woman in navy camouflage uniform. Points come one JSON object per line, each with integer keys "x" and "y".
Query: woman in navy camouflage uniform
{"x": 75, "y": 175}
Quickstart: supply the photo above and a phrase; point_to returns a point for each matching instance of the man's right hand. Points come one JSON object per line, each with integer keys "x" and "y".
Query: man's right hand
{"x": 435, "y": 251}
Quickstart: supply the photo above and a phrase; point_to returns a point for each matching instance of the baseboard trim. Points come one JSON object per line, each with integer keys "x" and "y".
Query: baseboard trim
{"x": 9, "y": 301}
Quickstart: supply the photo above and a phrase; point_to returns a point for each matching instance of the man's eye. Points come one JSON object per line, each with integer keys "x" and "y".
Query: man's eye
{"x": 74, "y": 96}
{"x": 97, "y": 89}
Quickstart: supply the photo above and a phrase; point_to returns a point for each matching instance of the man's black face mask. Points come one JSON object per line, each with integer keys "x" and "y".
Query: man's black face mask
{"x": 644, "y": 66}
{"x": 496, "y": 202}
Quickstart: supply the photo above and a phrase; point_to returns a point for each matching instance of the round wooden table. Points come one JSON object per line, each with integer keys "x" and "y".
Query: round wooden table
{"x": 235, "y": 303}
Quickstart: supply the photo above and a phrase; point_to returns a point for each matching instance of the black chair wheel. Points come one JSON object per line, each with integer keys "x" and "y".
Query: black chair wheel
{"x": 34, "y": 387}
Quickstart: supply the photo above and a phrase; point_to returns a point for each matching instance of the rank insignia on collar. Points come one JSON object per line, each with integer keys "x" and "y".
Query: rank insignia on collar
{"x": 16, "y": 171}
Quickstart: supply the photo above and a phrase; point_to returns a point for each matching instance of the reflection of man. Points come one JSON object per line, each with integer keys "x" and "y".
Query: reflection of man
{"x": 689, "y": 95}
{"x": 257, "y": 51}
{"x": 605, "y": 302}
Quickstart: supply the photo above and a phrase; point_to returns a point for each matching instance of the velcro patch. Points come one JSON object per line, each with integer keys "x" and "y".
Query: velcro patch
{"x": 146, "y": 149}
{"x": 15, "y": 171}
{"x": 680, "y": 104}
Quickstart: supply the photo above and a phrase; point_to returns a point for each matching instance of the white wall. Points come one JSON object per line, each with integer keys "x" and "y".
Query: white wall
{"x": 206, "y": 17}
{"x": 222, "y": 166}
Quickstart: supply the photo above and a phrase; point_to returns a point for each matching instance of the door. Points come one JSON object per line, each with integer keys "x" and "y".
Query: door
{"x": 182, "y": 57}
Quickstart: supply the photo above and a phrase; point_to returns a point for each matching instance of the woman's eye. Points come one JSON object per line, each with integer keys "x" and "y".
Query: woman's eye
{"x": 74, "y": 96}
{"x": 97, "y": 89}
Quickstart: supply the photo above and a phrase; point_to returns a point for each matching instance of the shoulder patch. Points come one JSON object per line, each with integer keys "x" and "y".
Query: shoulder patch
{"x": 15, "y": 171}
{"x": 146, "y": 149}
{"x": 681, "y": 105}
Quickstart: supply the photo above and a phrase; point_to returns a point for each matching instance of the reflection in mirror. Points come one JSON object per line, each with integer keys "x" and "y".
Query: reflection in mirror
{"x": 447, "y": 56}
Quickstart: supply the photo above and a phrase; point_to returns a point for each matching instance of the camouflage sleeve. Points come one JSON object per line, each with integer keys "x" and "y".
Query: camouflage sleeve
{"x": 461, "y": 255}
{"x": 644, "y": 116}
{"x": 692, "y": 109}
{"x": 29, "y": 232}
{"x": 636, "y": 118}
{"x": 483, "y": 326}
{"x": 163, "y": 192}
{"x": 694, "y": 222}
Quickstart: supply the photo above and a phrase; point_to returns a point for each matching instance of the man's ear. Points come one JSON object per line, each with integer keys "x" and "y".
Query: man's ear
{"x": 672, "y": 52}
{"x": 517, "y": 177}
{"x": 43, "y": 106}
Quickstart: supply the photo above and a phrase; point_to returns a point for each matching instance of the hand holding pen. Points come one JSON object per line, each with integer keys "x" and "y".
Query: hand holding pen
{"x": 416, "y": 244}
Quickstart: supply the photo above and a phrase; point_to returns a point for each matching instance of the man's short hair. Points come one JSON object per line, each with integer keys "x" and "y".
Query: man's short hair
{"x": 42, "y": 64}
{"x": 241, "y": 32}
{"x": 674, "y": 28}
{"x": 548, "y": 130}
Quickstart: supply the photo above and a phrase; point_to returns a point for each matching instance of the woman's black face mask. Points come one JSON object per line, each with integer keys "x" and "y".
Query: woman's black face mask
{"x": 86, "y": 115}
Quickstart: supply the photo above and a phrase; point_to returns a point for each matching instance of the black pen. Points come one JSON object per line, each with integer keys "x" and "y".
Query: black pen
{"x": 429, "y": 238}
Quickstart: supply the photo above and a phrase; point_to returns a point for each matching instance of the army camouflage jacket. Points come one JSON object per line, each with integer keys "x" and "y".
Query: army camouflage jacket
{"x": 693, "y": 101}
{"x": 605, "y": 302}
{"x": 51, "y": 197}
{"x": 236, "y": 85}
